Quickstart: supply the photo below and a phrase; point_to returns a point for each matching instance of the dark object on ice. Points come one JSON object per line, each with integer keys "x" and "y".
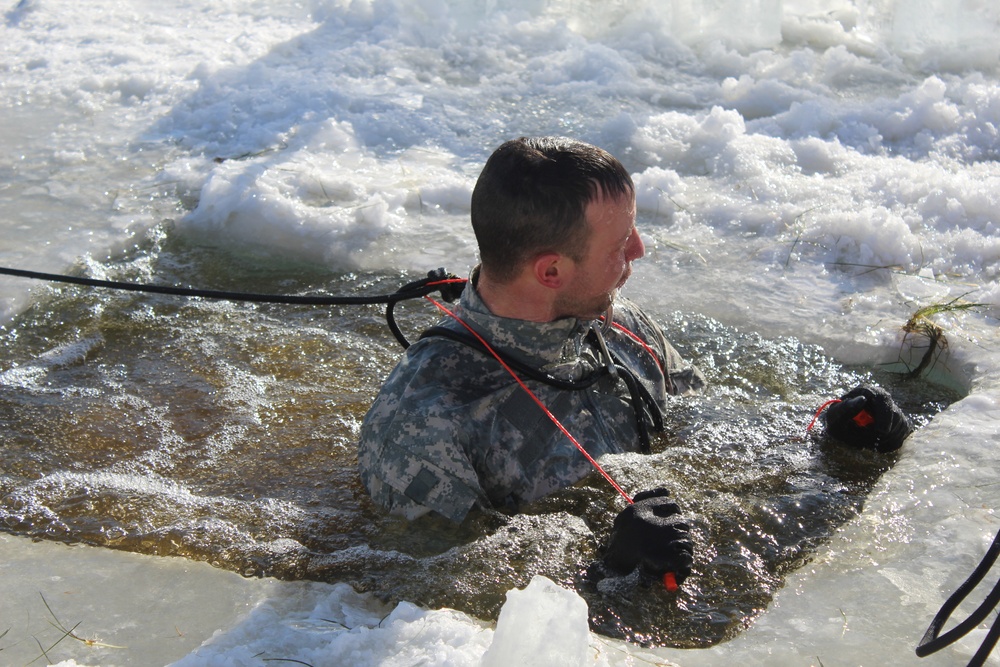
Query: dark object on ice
{"x": 866, "y": 417}
{"x": 651, "y": 534}
{"x": 932, "y": 641}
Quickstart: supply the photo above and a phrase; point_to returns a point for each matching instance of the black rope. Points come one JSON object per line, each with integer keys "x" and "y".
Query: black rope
{"x": 410, "y": 291}
{"x": 931, "y": 642}
{"x": 438, "y": 280}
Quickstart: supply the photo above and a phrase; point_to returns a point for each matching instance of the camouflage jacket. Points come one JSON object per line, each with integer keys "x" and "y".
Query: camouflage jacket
{"x": 451, "y": 428}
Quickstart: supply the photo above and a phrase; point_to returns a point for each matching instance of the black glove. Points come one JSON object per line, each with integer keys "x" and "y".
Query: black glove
{"x": 867, "y": 417}
{"x": 651, "y": 534}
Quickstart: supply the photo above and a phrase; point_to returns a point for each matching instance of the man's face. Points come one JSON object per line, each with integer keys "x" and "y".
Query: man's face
{"x": 614, "y": 244}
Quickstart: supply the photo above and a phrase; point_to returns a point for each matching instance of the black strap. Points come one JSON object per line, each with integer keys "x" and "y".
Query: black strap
{"x": 642, "y": 402}
{"x": 931, "y": 642}
{"x": 516, "y": 364}
{"x": 639, "y": 397}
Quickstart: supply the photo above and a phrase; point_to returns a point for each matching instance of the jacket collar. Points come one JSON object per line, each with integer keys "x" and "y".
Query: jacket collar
{"x": 542, "y": 344}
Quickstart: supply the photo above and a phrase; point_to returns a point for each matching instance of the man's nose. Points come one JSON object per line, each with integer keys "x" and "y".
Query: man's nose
{"x": 636, "y": 248}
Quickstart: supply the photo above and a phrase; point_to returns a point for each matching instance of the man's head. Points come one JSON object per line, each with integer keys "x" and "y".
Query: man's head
{"x": 541, "y": 199}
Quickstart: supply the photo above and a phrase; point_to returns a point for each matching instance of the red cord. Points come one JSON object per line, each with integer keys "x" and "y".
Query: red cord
{"x": 447, "y": 281}
{"x": 641, "y": 342}
{"x": 820, "y": 411}
{"x": 535, "y": 398}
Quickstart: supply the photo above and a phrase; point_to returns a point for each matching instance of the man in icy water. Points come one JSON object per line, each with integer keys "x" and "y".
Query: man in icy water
{"x": 452, "y": 429}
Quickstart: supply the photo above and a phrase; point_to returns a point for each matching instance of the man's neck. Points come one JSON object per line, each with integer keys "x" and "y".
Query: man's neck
{"x": 518, "y": 299}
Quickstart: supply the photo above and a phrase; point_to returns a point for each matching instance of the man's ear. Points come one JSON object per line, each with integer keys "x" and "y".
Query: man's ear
{"x": 550, "y": 269}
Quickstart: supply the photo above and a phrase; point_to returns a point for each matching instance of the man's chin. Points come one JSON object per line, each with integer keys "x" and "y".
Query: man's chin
{"x": 605, "y": 305}
{"x": 590, "y": 311}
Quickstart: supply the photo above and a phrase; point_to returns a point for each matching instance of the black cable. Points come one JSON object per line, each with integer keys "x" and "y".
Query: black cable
{"x": 931, "y": 642}
{"x": 412, "y": 290}
{"x": 438, "y": 280}
{"x": 986, "y": 647}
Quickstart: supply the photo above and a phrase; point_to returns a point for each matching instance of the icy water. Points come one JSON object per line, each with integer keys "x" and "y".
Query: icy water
{"x": 809, "y": 175}
{"x": 225, "y": 432}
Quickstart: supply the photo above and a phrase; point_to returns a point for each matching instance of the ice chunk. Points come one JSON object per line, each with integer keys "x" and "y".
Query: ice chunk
{"x": 542, "y": 625}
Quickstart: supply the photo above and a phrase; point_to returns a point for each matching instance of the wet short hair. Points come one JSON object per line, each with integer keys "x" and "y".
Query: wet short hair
{"x": 532, "y": 197}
